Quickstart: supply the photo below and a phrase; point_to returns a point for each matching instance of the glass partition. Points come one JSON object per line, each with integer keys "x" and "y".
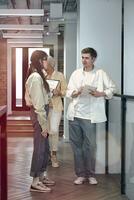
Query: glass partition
{"x": 120, "y": 141}
{"x": 114, "y": 136}
{"x": 129, "y": 159}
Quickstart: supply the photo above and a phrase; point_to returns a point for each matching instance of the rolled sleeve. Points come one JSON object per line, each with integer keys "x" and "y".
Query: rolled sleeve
{"x": 71, "y": 86}
{"x": 63, "y": 86}
{"x": 109, "y": 86}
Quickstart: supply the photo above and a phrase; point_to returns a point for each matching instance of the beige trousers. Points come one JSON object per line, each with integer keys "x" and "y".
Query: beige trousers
{"x": 54, "y": 122}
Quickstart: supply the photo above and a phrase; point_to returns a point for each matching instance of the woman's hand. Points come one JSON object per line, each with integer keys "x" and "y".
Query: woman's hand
{"x": 45, "y": 133}
{"x": 56, "y": 92}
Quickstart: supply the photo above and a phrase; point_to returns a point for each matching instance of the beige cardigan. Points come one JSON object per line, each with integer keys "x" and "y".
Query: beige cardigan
{"x": 37, "y": 97}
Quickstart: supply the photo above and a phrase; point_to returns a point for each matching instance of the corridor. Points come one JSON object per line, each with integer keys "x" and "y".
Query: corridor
{"x": 19, "y": 158}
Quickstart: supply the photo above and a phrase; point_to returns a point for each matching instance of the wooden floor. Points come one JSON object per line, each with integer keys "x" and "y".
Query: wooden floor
{"x": 19, "y": 158}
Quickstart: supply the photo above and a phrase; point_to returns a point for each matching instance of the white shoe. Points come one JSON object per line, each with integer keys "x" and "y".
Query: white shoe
{"x": 48, "y": 182}
{"x": 54, "y": 161}
{"x": 93, "y": 181}
{"x": 79, "y": 180}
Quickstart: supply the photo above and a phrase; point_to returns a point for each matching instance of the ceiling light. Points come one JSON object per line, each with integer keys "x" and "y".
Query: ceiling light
{"x": 21, "y": 12}
{"x": 61, "y": 19}
{"x": 51, "y": 33}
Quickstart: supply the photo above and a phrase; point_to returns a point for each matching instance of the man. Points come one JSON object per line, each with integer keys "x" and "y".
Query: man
{"x": 88, "y": 88}
{"x": 55, "y": 107}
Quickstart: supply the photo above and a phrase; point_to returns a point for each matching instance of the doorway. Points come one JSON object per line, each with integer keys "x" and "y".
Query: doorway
{"x": 20, "y": 64}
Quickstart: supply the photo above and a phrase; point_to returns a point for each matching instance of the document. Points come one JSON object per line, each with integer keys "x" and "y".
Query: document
{"x": 87, "y": 89}
{"x": 52, "y": 84}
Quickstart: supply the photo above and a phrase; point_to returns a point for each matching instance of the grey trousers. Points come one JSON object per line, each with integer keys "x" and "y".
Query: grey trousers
{"x": 82, "y": 135}
{"x": 40, "y": 149}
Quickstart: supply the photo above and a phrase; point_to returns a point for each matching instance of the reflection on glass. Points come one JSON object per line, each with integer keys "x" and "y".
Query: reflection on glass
{"x": 114, "y": 135}
{"x": 130, "y": 151}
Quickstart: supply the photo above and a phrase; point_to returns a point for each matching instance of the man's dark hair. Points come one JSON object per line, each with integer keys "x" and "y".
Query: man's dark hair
{"x": 91, "y": 51}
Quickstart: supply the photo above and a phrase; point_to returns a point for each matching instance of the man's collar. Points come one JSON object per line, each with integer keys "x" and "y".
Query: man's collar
{"x": 89, "y": 70}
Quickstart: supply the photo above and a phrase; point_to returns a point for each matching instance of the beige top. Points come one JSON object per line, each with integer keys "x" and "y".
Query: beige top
{"x": 56, "y": 100}
{"x": 38, "y": 97}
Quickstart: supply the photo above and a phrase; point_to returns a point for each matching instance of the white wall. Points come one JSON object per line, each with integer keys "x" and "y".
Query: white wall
{"x": 52, "y": 40}
{"x": 99, "y": 26}
{"x": 69, "y": 62}
{"x": 70, "y": 49}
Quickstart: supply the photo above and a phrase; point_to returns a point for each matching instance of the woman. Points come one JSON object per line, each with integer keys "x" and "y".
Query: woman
{"x": 56, "y": 106}
{"x": 37, "y": 97}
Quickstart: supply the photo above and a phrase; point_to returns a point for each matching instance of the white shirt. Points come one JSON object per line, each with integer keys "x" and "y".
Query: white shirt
{"x": 88, "y": 106}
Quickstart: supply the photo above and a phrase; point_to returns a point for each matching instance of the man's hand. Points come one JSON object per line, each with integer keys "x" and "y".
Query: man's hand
{"x": 97, "y": 93}
{"x": 76, "y": 93}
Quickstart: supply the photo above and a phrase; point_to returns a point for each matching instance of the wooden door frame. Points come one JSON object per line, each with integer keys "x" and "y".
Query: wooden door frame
{"x": 24, "y": 73}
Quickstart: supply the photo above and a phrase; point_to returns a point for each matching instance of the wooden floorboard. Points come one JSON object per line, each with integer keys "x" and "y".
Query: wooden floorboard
{"x": 19, "y": 160}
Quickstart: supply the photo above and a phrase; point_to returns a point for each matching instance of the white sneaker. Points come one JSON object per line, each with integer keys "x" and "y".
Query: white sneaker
{"x": 93, "y": 181}
{"x": 79, "y": 180}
